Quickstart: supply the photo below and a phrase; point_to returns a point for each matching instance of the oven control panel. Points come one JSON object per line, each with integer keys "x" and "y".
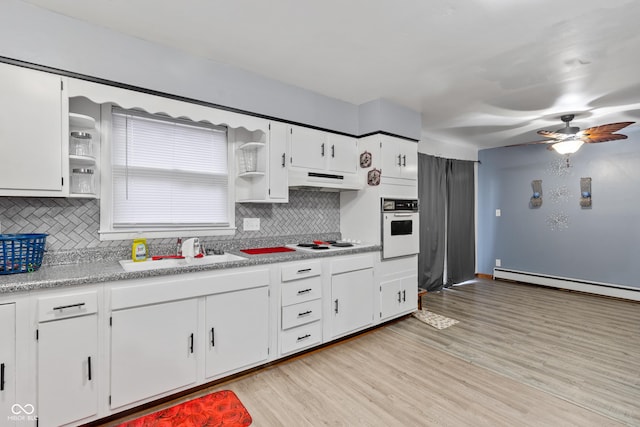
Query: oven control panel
{"x": 390, "y": 205}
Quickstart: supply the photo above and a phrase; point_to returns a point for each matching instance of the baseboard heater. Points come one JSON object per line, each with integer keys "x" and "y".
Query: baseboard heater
{"x": 599, "y": 288}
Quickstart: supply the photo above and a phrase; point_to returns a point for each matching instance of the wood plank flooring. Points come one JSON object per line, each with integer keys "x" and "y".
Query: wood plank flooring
{"x": 520, "y": 356}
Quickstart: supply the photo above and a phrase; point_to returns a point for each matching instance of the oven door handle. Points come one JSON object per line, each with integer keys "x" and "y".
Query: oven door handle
{"x": 403, "y": 214}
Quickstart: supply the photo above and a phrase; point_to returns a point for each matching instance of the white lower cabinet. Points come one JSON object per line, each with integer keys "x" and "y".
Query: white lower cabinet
{"x": 300, "y": 306}
{"x": 67, "y": 353}
{"x": 397, "y": 296}
{"x": 237, "y": 330}
{"x": 152, "y": 350}
{"x": 7, "y": 361}
{"x": 397, "y": 283}
{"x": 351, "y": 294}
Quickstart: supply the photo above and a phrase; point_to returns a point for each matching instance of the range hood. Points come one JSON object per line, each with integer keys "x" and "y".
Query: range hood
{"x": 300, "y": 178}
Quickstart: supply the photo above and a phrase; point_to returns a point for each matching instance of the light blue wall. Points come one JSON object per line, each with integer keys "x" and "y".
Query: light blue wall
{"x": 35, "y": 35}
{"x": 599, "y": 244}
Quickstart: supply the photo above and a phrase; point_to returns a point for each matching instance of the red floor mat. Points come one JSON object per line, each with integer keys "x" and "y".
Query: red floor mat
{"x": 258, "y": 251}
{"x": 222, "y": 408}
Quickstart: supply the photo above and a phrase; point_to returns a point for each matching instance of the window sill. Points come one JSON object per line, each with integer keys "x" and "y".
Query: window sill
{"x": 159, "y": 234}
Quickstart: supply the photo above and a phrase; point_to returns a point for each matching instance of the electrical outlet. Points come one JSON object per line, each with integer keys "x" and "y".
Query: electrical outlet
{"x": 251, "y": 224}
{"x": 498, "y": 212}
{"x": 498, "y": 262}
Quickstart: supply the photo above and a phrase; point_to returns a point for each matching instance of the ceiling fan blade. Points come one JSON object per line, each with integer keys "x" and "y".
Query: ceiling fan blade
{"x": 555, "y": 135}
{"x": 603, "y": 137}
{"x": 604, "y": 133}
{"x": 546, "y": 141}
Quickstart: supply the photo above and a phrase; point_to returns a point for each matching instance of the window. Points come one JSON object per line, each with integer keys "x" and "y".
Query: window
{"x": 167, "y": 175}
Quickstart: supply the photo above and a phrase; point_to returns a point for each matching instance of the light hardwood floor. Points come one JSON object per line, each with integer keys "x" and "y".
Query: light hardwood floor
{"x": 520, "y": 356}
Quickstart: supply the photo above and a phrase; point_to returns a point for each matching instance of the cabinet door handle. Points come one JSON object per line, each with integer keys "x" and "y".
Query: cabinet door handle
{"x": 404, "y": 160}
{"x": 304, "y": 313}
{"x": 333, "y": 150}
{"x": 399, "y": 159}
{"x": 336, "y": 308}
{"x": 63, "y": 307}
{"x": 191, "y": 343}
{"x": 1, "y": 376}
{"x": 399, "y": 295}
{"x": 304, "y": 291}
{"x": 304, "y": 337}
{"x": 404, "y": 296}
{"x": 89, "y": 368}
{"x": 213, "y": 337}
{"x": 304, "y": 270}
{"x": 322, "y": 149}
{"x": 284, "y": 159}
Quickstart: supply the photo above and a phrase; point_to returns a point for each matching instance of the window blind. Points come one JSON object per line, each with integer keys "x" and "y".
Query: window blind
{"x": 167, "y": 173}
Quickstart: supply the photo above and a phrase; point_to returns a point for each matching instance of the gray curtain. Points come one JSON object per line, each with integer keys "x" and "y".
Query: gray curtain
{"x": 460, "y": 221}
{"x": 432, "y": 192}
{"x": 446, "y": 193}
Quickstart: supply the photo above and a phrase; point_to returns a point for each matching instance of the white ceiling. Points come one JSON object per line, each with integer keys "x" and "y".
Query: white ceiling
{"x": 481, "y": 72}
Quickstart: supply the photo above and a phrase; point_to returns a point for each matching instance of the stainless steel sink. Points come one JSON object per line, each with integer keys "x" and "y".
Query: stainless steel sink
{"x": 129, "y": 265}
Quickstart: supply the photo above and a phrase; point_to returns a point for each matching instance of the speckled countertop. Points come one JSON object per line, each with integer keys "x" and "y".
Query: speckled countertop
{"x": 99, "y": 271}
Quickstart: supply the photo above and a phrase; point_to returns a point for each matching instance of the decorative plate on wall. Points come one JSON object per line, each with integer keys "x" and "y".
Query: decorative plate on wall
{"x": 373, "y": 177}
{"x": 365, "y": 159}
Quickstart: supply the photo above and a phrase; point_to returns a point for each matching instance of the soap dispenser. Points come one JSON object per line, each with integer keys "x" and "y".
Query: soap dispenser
{"x": 139, "y": 250}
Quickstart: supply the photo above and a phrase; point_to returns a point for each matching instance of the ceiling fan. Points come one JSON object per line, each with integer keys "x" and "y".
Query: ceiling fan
{"x": 570, "y": 138}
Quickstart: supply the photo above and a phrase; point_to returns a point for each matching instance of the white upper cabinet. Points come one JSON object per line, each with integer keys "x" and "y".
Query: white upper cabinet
{"x": 278, "y": 162}
{"x": 308, "y": 148}
{"x": 399, "y": 158}
{"x": 342, "y": 153}
{"x": 322, "y": 159}
{"x": 31, "y": 133}
{"x": 261, "y": 164}
{"x": 314, "y": 149}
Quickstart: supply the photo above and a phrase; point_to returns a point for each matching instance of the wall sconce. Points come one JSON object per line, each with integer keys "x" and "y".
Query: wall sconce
{"x": 536, "y": 198}
{"x": 585, "y": 192}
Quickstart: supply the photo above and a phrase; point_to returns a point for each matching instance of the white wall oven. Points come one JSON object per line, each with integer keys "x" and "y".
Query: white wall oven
{"x": 400, "y": 227}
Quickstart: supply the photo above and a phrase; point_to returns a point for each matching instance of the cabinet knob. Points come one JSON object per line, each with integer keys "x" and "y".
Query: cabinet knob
{"x": 1, "y": 376}
{"x": 304, "y": 291}
{"x": 284, "y": 160}
{"x": 89, "y": 368}
{"x": 304, "y": 313}
{"x": 404, "y": 160}
{"x": 333, "y": 150}
{"x": 303, "y": 337}
{"x": 336, "y": 306}
{"x": 322, "y": 149}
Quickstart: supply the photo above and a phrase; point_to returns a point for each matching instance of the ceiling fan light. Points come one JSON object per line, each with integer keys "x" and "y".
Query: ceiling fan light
{"x": 568, "y": 147}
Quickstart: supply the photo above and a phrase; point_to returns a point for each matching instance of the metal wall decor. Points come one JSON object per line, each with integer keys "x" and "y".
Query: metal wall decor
{"x": 365, "y": 159}
{"x": 585, "y": 192}
{"x": 373, "y": 177}
{"x": 536, "y": 198}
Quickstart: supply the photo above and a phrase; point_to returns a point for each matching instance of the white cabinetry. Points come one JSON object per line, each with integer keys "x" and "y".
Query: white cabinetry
{"x": 237, "y": 329}
{"x": 278, "y": 159}
{"x": 152, "y": 350}
{"x": 318, "y": 150}
{"x": 399, "y": 158}
{"x": 261, "y": 164}
{"x": 301, "y": 306}
{"x": 398, "y": 286}
{"x": 7, "y": 360}
{"x": 351, "y": 294}
{"x": 322, "y": 159}
{"x": 67, "y": 358}
{"x": 31, "y": 133}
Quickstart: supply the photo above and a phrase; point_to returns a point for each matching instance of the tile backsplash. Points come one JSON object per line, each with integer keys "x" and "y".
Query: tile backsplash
{"x": 73, "y": 224}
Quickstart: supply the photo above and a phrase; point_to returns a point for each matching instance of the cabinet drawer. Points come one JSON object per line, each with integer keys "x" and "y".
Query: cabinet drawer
{"x": 68, "y": 305}
{"x": 301, "y": 290}
{"x": 301, "y": 337}
{"x": 299, "y": 314}
{"x": 300, "y": 270}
